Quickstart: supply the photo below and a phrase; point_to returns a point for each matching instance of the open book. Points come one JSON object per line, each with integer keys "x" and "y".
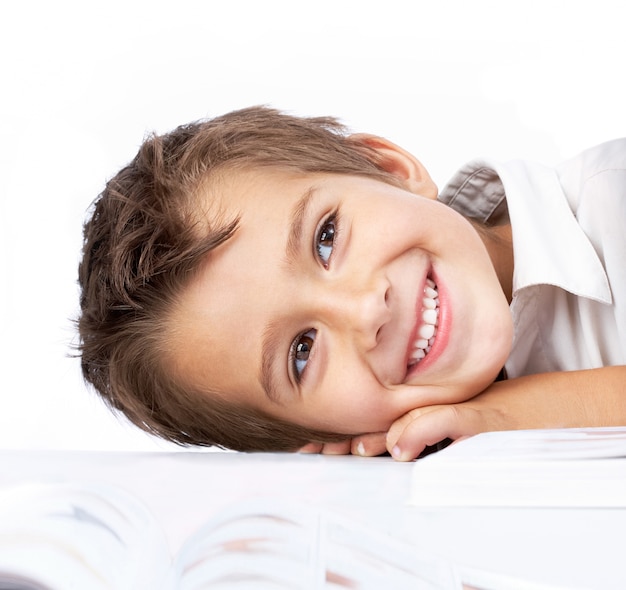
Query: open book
{"x": 95, "y": 536}
{"x": 55, "y": 537}
{"x": 573, "y": 467}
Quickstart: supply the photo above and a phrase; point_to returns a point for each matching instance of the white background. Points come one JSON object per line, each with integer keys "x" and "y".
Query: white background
{"x": 81, "y": 83}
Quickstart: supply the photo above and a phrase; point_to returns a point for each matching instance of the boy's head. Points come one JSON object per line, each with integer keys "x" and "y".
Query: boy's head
{"x": 232, "y": 254}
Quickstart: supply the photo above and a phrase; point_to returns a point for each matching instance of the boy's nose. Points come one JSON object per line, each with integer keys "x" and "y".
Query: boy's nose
{"x": 361, "y": 312}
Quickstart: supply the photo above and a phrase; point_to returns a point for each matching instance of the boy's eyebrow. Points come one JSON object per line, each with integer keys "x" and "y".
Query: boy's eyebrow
{"x": 298, "y": 215}
{"x": 274, "y": 333}
{"x": 269, "y": 347}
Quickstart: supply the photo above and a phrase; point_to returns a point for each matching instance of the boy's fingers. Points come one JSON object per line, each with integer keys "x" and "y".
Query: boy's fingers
{"x": 365, "y": 445}
{"x": 311, "y": 448}
{"x": 369, "y": 445}
{"x": 398, "y": 427}
{"x": 336, "y": 448}
{"x": 412, "y": 433}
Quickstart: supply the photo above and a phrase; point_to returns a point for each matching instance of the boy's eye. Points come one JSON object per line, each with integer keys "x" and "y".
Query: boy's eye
{"x": 325, "y": 240}
{"x": 300, "y": 351}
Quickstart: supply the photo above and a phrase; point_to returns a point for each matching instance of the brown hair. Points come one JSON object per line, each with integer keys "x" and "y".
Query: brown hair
{"x": 142, "y": 247}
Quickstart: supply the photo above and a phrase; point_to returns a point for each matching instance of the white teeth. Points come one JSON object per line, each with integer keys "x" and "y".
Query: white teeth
{"x": 427, "y": 332}
{"x": 430, "y": 316}
{"x": 430, "y": 292}
{"x": 418, "y": 354}
{"x": 429, "y": 303}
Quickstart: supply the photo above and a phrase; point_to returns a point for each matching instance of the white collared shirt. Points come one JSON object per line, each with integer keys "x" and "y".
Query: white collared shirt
{"x": 569, "y": 244}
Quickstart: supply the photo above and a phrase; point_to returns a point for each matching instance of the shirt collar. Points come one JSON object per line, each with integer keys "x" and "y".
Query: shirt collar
{"x": 548, "y": 243}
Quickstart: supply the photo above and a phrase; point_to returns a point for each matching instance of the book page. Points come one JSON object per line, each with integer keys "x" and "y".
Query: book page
{"x": 87, "y": 536}
{"x": 547, "y": 444}
{"x": 271, "y": 545}
{"x": 580, "y": 467}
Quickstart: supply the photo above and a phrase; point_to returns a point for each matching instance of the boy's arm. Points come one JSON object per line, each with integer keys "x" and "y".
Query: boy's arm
{"x": 593, "y": 397}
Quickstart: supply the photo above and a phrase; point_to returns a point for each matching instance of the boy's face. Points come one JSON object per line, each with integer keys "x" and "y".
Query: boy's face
{"x": 321, "y": 306}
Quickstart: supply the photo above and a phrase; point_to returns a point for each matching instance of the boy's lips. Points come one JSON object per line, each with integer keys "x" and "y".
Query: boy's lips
{"x": 424, "y": 334}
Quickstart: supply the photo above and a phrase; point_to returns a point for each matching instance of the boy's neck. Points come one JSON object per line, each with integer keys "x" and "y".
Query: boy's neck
{"x": 499, "y": 242}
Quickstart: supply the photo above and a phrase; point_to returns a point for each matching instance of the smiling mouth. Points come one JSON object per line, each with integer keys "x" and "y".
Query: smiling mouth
{"x": 427, "y": 329}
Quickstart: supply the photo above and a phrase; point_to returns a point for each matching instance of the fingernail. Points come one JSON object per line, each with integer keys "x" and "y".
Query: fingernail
{"x": 360, "y": 449}
{"x": 396, "y": 452}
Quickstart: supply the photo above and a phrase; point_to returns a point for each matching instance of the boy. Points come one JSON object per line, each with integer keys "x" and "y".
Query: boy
{"x": 266, "y": 282}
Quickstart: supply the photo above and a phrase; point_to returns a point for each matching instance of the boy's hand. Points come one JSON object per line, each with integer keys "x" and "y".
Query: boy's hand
{"x": 567, "y": 399}
{"x": 422, "y": 427}
{"x": 365, "y": 445}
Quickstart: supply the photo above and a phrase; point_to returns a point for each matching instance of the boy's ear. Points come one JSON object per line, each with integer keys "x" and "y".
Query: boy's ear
{"x": 400, "y": 163}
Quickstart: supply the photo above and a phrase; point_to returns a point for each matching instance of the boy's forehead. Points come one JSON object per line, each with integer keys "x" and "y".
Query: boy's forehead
{"x": 208, "y": 325}
{"x": 234, "y": 192}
